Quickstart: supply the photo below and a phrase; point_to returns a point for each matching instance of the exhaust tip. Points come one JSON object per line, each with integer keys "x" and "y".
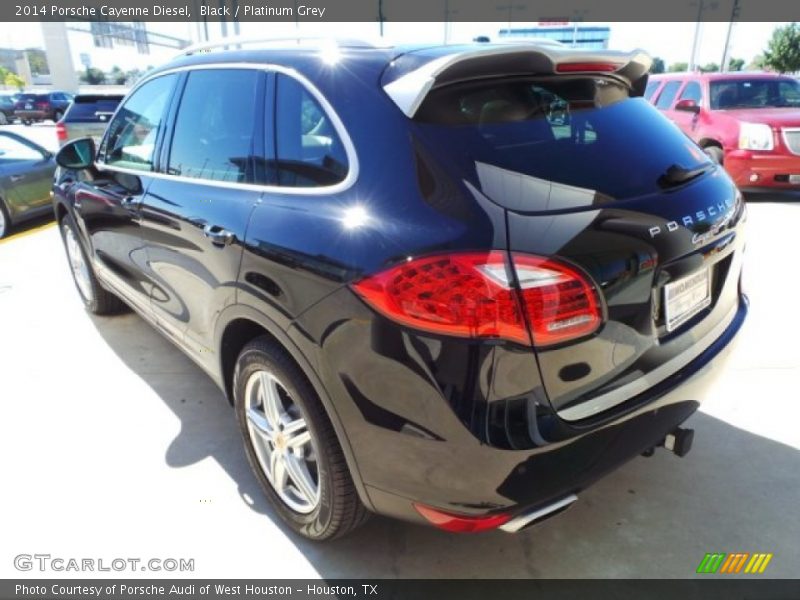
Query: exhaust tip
{"x": 525, "y": 520}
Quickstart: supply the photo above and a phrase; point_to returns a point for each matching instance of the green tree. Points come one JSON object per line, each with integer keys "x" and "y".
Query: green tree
{"x": 735, "y": 64}
{"x": 711, "y": 67}
{"x": 658, "y": 65}
{"x": 14, "y": 80}
{"x": 37, "y": 61}
{"x": 93, "y": 76}
{"x": 678, "y": 67}
{"x": 783, "y": 51}
{"x": 118, "y": 76}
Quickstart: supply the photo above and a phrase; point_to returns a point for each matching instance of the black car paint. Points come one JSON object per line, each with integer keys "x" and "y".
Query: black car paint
{"x": 426, "y": 418}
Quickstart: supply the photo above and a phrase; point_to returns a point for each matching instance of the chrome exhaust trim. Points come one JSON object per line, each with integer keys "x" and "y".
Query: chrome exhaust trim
{"x": 521, "y": 521}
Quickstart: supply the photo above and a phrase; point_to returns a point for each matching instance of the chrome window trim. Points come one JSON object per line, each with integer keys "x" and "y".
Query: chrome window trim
{"x": 784, "y": 131}
{"x": 347, "y": 142}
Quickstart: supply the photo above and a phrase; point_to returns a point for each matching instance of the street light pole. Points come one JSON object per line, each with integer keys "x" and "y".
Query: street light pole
{"x": 696, "y": 42}
{"x": 726, "y": 51}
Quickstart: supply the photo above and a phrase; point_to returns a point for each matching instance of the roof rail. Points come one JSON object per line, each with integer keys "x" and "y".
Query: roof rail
{"x": 235, "y": 42}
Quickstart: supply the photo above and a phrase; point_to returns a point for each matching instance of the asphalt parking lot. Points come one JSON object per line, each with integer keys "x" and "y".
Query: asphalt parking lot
{"x": 115, "y": 445}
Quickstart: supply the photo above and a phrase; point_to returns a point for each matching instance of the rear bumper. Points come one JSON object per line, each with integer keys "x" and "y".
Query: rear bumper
{"x": 762, "y": 170}
{"x": 34, "y": 115}
{"x": 480, "y": 479}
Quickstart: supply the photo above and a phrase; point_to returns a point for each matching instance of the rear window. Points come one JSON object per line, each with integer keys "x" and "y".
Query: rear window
{"x": 582, "y": 139}
{"x": 92, "y": 109}
{"x": 32, "y": 97}
{"x": 667, "y": 95}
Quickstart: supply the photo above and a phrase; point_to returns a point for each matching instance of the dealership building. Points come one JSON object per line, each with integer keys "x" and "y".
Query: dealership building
{"x": 584, "y": 37}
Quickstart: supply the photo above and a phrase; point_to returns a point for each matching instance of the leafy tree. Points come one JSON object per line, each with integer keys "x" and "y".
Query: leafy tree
{"x": 14, "y": 80}
{"x": 711, "y": 67}
{"x": 93, "y": 76}
{"x": 735, "y": 64}
{"x": 678, "y": 67}
{"x": 658, "y": 65}
{"x": 118, "y": 76}
{"x": 783, "y": 51}
{"x": 37, "y": 61}
{"x": 756, "y": 64}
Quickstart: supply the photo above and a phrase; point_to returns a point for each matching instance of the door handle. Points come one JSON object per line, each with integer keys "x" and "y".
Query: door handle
{"x": 16, "y": 178}
{"x": 218, "y": 235}
{"x": 130, "y": 203}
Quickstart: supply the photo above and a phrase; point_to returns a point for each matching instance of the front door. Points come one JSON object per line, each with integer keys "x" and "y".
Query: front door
{"x": 110, "y": 207}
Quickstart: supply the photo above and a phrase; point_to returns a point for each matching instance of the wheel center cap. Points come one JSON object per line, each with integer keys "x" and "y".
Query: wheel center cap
{"x": 280, "y": 441}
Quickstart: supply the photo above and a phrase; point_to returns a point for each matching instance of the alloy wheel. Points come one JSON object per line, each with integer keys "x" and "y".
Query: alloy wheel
{"x": 282, "y": 442}
{"x": 80, "y": 270}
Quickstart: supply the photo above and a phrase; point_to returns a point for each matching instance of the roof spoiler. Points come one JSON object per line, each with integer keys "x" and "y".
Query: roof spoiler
{"x": 408, "y": 83}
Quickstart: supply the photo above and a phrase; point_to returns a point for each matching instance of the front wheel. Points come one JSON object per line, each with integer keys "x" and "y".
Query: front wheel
{"x": 95, "y": 298}
{"x": 714, "y": 153}
{"x": 291, "y": 445}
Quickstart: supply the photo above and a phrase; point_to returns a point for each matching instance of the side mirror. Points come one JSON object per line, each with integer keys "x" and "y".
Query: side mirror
{"x": 688, "y": 105}
{"x": 77, "y": 154}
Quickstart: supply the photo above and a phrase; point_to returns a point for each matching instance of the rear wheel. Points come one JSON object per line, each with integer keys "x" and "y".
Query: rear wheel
{"x": 715, "y": 153}
{"x": 291, "y": 445}
{"x": 3, "y": 118}
{"x": 5, "y": 220}
{"x": 57, "y": 116}
{"x": 95, "y": 298}
{"x": 26, "y": 122}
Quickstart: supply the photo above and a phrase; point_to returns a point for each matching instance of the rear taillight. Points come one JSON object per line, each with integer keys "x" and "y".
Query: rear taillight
{"x": 461, "y": 523}
{"x": 474, "y": 295}
{"x": 61, "y": 132}
{"x": 42, "y": 105}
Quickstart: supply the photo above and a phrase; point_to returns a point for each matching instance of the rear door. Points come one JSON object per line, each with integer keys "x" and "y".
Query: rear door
{"x": 26, "y": 174}
{"x": 195, "y": 214}
{"x": 617, "y": 193}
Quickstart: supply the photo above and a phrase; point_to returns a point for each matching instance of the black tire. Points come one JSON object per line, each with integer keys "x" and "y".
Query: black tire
{"x": 26, "y": 122}
{"x": 57, "y": 116}
{"x": 98, "y": 301}
{"x": 4, "y": 120}
{"x": 339, "y": 509}
{"x": 5, "y": 220}
{"x": 715, "y": 153}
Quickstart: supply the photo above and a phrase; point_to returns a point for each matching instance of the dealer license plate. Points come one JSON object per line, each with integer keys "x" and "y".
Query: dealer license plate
{"x": 28, "y": 106}
{"x": 686, "y": 297}
{"x": 794, "y": 178}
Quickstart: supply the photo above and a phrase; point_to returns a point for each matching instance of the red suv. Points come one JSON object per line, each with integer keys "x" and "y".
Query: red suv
{"x": 749, "y": 122}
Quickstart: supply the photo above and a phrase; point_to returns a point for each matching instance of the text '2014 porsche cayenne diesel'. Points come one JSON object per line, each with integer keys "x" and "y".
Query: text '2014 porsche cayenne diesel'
{"x": 451, "y": 285}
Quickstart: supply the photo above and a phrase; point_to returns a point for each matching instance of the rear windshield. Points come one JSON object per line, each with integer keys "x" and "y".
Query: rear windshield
{"x": 92, "y": 109}
{"x": 755, "y": 93}
{"x": 584, "y": 137}
{"x": 29, "y": 97}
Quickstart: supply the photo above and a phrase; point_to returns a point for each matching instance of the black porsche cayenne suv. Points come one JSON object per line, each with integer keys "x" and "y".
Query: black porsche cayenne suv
{"x": 453, "y": 285}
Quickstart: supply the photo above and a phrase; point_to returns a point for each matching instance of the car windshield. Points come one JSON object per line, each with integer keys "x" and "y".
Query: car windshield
{"x": 755, "y": 93}
{"x": 583, "y": 136}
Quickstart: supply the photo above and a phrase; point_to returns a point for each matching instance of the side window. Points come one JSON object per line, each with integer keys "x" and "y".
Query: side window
{"x": 651, "y": 89}
{"x": 213, "y": 136}
{"x": 131, "y": 138}
{"x": 692, "y": 92}
{"x": 667, "y": 96}
{"x": 309, "y": 152}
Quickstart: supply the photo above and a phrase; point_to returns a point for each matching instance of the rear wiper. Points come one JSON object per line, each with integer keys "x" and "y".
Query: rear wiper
{"x": 677, "y": 175}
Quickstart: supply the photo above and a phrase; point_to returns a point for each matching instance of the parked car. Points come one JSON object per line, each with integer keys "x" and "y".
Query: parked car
{"x": 88, "y": 115}
{"x": 34, "y": 107}
{"x": 425, "y": 295}
{"x": 26, "y": 176}
{"x": 749, "y": 122}
{"x": 7, "y": 103}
